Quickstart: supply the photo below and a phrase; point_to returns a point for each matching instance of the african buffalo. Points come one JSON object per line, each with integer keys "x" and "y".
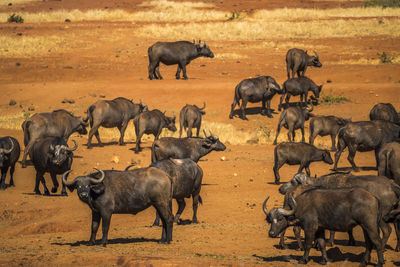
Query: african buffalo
{"x": 9, "y": 154}
{"x": 293, "y": 118}
{"x": 57, "y": 123}
{"x": 124, "y": 192}
{"x": 386, "y": 112}
{"x": 152, "y": 122}
{"x": 317, "y": 210}
{"x": 255, "y": 90}
{"x": 298, "y": 153}
{"x": 171, "y": 53}
{"x": 112, "y": 113}
{"x": 365, "y": 136}
{"x": 52, "y": 155}
{"x": 298, "y": 60}
{"x": 389, "y": 161}
{"x": 186, "y": 178}
{"x": 182, "y": 148}
{"x": 326, "y": 125}
{"x": 190, "y": 117}
{"x": 299, "y": 86}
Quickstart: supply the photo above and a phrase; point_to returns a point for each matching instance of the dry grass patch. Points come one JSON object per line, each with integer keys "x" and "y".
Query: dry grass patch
{"x": 13, "y": 121}
{"x": 230, "y": 56}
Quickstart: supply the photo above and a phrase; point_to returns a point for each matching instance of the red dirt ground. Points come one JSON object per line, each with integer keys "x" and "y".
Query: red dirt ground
{"x": 37, "y": 230}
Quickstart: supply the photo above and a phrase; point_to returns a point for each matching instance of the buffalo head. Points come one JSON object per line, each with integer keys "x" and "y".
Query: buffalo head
{"x": 273, "y": 85}
{"x": 204, "y": 50}
{"x": 82, "y": 124}
{"x": 212, "y": 142}
{"x": 314, "y": 60}
{"x": 298, "y": 179}
{"x": 326, "y": 157}
{"x": 142, "y": 107}
{"x": 85, "y": 185}
{"x": 278, "y": 217}
{"x": 201, "y": 110}
{"x": 4, "y": 153}
{"x": 58, "y": 154}
{"x": 170, "y": 123}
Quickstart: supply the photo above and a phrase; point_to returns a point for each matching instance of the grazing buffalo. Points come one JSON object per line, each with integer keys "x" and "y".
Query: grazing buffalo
{"x": 298, "y": 153}
{"x": 298, "y": 60}
{"x": 52, "y": 155}
{"x": 57, "y": 123}
{"x": 317, "y": 210}
{"x": 171, "y": 53}
{"x": 299, "y": 86}
{"x": 152, "y": 122}
{"x": 112, "y": 113}
{"x": 293, "y": 118}
{"x": 386, "y": 112}
{"x": 255, "y": 90}
{"x": 384, "y": 189}
{"x": 9, "y": 154}
{"x": 185, "y": 148}
{"x": 186, "y": 178}
{"x": 365, "y": 136}
{"x": 190, "y": 117}
{"x": 389, "y": 161}
{"x": 127, "y": 192}
{"x": 326, "y": 125}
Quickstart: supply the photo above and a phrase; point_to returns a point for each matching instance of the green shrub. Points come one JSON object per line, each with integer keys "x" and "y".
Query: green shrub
{"x": 15, "y": 18}
{"x": 234, "y": 15}
{"x": 331, "y": 99}
{"x": 385, "y": 58}
{"x": 382, "y": 3}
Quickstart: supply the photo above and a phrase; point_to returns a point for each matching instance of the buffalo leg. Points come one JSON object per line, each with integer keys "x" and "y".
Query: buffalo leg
{"x": 282, "y": 244}
{"x": 333, "y": 148}
{"x": 302, "y": 133}
{"x": 296, "y": 231}
{"x": 313, "y": 135}
{"x": 352, "y": 241}
{"x": 198, "y": 131}
{"x": 93, "y": 131}
{"x": 189, "y": 129}
{"x": 138, "y": 137}
{"x": 350, "y": 157}
{"x": 167, "y": 220}
{"x": 243, "y": 109}
{"x": 183, "y": 67}
{"x": 157, "y": 71}
{"x": 233, "y": 107}
{"x": 195, "y": 205}
{"x": 305, "y": 99}
{"x": 321, "y": 243}
{"x": 372, "y": 239}
{"x": 287, "y": 100}
{"x": 39, "y": 178}
{"x": 291, "y": 133}
{"x": 12, "y": 169}
{"x": 181, "y": 207}
{"x": 178, "y": 72}
{"x": 95, "y": 226}
{"x": 331, "y": 239}
{"x": 152, "y": 68}
{"x": 386, "y": 231}
{"x": 122, "y": 130}
{"x": 280, "y": 124}
{"x": 269, "y": 112}
{"x": 277, "y": 166}
{"x": 280, "y": 102}
{"x": 156, "y": 220}
{"x": 397, "y": 230}
{"x": 263, "y": 109}
{"x": 26, "y": 151}
{"x": 3, "y": 178}
{"x": 106, "y": 218}
{"x": 309, "y": 239}
{"x": 340, "y": 147}
{"x": 55, "y": 182}
{"x": 377, "y": 158}
{"x": 295, "y": 69}
{"x": 308, "y": 169}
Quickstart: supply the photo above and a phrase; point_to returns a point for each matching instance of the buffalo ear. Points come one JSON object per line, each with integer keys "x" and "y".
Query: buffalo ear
{"x": 98, "y": 188}
{"x": 71, "y": 188}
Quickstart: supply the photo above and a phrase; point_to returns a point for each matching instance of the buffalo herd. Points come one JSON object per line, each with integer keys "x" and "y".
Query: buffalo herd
{"x": 337, "y": 202}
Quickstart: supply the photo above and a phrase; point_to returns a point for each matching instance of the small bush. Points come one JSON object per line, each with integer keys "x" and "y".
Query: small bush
{"x": 15, "y": 18}
{"x": 382, "y": 3}
{"x": 234, "y": 15}
{"x": 331, "y": 99}
{"x": 385, "y": 58}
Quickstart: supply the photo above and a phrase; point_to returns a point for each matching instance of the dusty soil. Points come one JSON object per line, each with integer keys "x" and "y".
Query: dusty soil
{"x": 38, "y": 230}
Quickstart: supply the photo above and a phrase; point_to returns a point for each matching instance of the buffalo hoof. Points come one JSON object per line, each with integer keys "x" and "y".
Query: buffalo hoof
{"x": 23, "y": 165}
{"x": 300, "y": 249}
{"x": 91, "y": 243}
{"x": 397, "y": 248}
{"x": 263, "y": 112}
{"x": 324, "y": 262}
{"x": 3, "y": 186}
{"x": 282, "y": 246}
{"x": 185, "y": 78}
{"x": 269, "y": 115}
{"x": 37, "y": 192}
{"x": 165, "y": 242}
{"x": 302, "y": 261}
{"x": 64, "y": 194}
{"x": 195, "y": 221}
{"x": 230, "y": 117}
{"x": 177, "y": 77}
{"x": 11, "y": 185}
{"x": 89, "y": 147}
{"x": 46, "y": 193}
{"x": 329, "y": 244}
{"x": 156, "y": 224}
{"x": 351, "y": 243}
{"x": 245, "y": 119}
{"x": 54, "y": 190}
{"x": 277, "y": 182}
{"x": 356, "y": 169}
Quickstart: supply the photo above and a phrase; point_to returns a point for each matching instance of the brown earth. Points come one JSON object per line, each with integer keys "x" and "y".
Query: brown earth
{"x": 37, "y": 230}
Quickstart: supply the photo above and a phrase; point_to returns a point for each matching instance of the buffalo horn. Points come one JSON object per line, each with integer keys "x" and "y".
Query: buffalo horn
{"x": 5, "y": 151}
{"x": 205, "y": 133}
{"x": 129, "y": 166}
{"x": 316, "y": 55}
{"x": 74, "y": 148}
{"x": 312, "y": 107}
{"x": 285, "y": 212}
{"x": 264, "y": 206}
{"x": 64, "y": 179}
{"x": 97, "y": 181}
{"x": 204, "y": 106}
{"x": 51, "y": 147}
{"x": 173, "y": 113}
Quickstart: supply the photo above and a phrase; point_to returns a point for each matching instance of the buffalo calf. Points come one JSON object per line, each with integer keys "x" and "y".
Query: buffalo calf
{"x": 190, "y": 117}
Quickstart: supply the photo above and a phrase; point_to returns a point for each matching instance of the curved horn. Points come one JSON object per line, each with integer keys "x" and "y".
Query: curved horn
{"x": 97, "y": 181}
{"x": 11, "y": 149}
{"x": 285, "y": 212}
{"x": 315, "y": 53}
{"x": 51, "y": 147}
{"x": 204, "y": 131}
{"x": 64, "y": 179}
{"x": 264, "y": 206}
{"x": 129, "y": 166}
{"x": 312, "y": 107}
{"x": 204, "y": 106}
{"x": 173, "y": 113}
{"x": 74, "y": 148}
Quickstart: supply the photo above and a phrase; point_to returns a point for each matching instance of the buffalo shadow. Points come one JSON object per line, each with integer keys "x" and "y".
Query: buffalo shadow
{"x": 111, "y": 143}
{"x": 251, "y": 111}
{"x": 43, "y": 195}
{"x": 109, "y": 242}
{"x": 365, "y": 168}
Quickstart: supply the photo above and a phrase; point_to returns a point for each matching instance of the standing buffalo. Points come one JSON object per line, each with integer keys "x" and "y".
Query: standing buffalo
{"x": 389, "y": 161}
{"x": 112, "y": 113}
{"x": 182, "y": 148}
{"x": 298, "y": 153}
{"x": 9, "y": 154}
{"x": 299, "y": 86}
{"x": 51, "y": 154}
{"x": 57, "y": 123}
{"x": 152, "y": 122}
{"x": 190, "y": 117}
{"x": 297, "y": 60}
{"x": 386, "y": 112}
{"x": 365, "y": 136}
{"x": 186, "y": 178}
{"x": 293, "y": 118}
{"x": 326, "y": 125}
{"x": 255, "y": 90}
{"x": 128, "y": 192}
{"x": 171, "y": 53}
{"x": 317, "y": 210}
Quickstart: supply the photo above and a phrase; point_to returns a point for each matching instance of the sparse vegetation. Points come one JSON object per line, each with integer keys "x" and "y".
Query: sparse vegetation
{"x": 382, "y": 3}
{"x": 385, "y": 58}
{"x": 234, "y": 15}
{"x": 15, "y": 18}
{"x": 331, "y": 99}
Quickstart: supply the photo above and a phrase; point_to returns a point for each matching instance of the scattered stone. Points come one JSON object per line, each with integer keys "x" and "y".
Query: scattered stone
{"x": 31, "y": 108}
{"x": 202, "y": 65}
{"x": 19, "y": 34}
{"x": 67, "y": 20}
{"x": 12, "y": 102}
{"x": 70, "y": 101}
{"x": 92, "y": 94}
{"x": 223, "y": 158}
{"x": 224, "y": 73}
{"x": 252, "y": 141}
{"x": 235, "y": 174}
{"x": 328, "y": 81}
{"x": 102, "y": 96}
{"x": 251, "y": 180}
{"x": 68, "y": 67}
{"x": 9, "y": 4}
{"x": 236, "y": 185}
{"x": 115, "y": 159}
{"x": 17, "y": 64}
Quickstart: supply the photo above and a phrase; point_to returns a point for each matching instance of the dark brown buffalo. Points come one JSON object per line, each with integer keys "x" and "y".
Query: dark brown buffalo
{"x": 386, "y": 112}
{"x": 112, "y": 113}
{"x": 185, "y": 148}
{"x": 190, "y": 117}
{"x": 127, "y": 192}
{"x": 298, "y": 154}
{"x": 152, "y": 122}
{"x": 57, "y": 123}
{"x": 365, "y": 136}
{"x": 255, "y": 90}
{"x": 9, "y": 154}
{"x": 317, "y": 210}
{"x": 389, "y": 161}
{"x": 298, "y": 60}
{"x": 171, "y": 53}
{"x": 293, "y": 118}
{"x": 326, "y": 125}
{"x": 52, "y": 155}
